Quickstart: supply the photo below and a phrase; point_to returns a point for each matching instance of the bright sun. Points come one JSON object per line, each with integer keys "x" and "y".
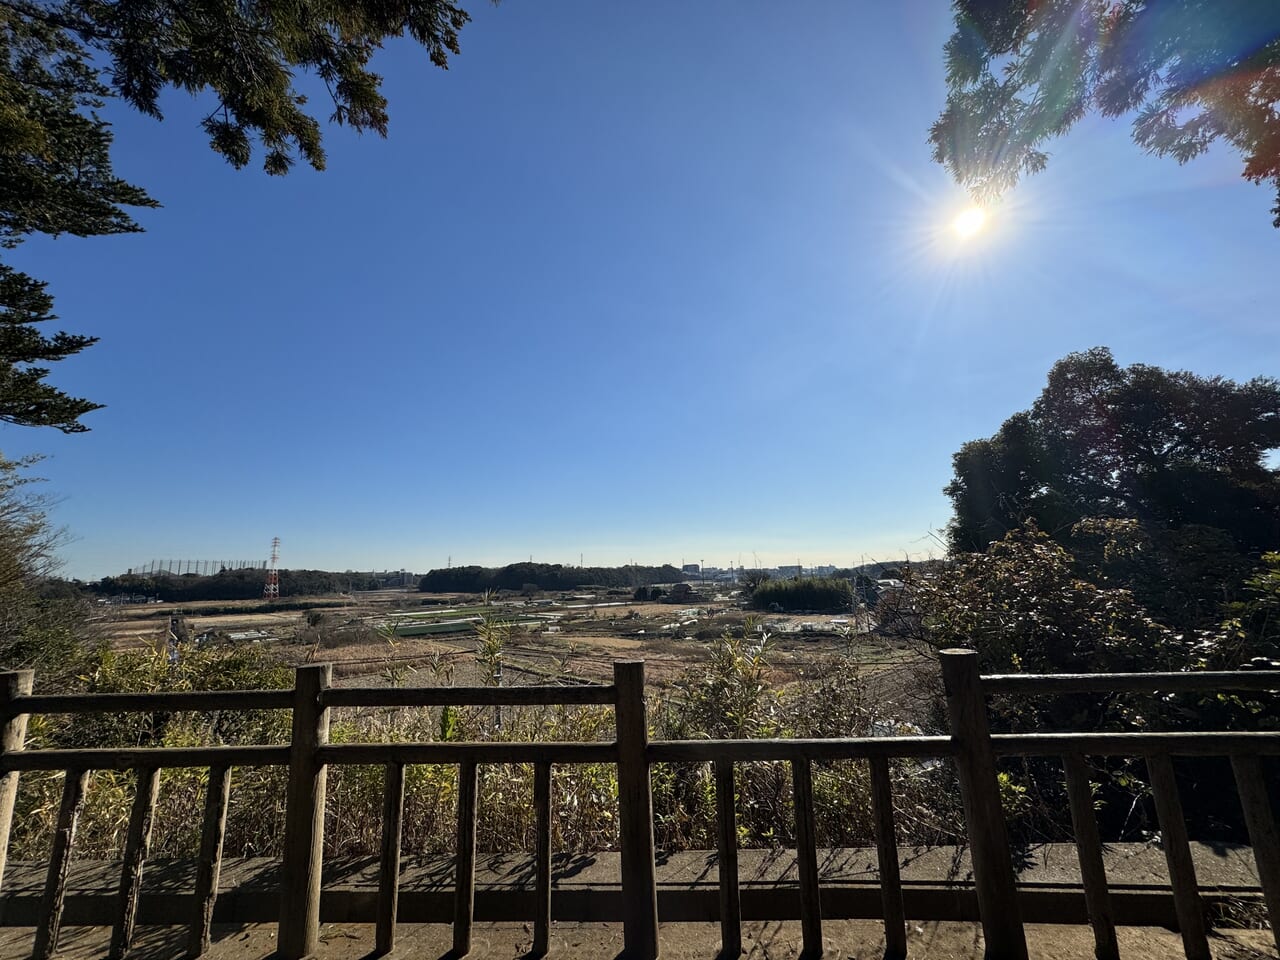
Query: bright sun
{"x": 969, "y": 222}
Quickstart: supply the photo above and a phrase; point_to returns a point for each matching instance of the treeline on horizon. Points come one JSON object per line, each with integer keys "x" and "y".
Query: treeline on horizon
{"x": 245, "y": 584}
{"x": 544, "y": 576}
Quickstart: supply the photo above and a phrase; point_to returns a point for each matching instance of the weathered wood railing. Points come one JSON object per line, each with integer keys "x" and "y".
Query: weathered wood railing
{"x": 1158, "y": 750}
{"x": 308, "y": 757}
{"x": 971, "y": 746}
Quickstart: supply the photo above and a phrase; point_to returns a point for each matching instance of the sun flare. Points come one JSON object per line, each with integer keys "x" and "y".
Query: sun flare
{"x": 969, "y": 223}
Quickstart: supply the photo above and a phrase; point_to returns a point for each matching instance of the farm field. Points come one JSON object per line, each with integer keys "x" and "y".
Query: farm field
{"x": 429, "y": 639}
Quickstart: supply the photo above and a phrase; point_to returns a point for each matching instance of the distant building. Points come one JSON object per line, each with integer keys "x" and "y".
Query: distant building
{"x": 692, "y": 569}
{"x": 390, "y": 579}
{"x": 681, "y": 593}
{"x": 793, "y": 570}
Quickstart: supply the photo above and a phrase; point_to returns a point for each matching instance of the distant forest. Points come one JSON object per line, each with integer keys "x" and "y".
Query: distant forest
{"x": 544, "y": 576}
{"x": 230, "y": 585}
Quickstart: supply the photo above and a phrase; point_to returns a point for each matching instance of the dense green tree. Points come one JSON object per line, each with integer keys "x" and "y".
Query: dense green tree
{"x": 25, "y": 397}
{"x": 242, "y": 584}
{"x": 545, "y": 576}
{"x": 55, "y": 178}
{"x": 1023, "y": 605}
{"x": 818, "y": 594}
{"x": 246, "y": 58}
{"x": 60, "y": 61}
{"x": 1182, "y": 457}
{"x": 1256, "y": 617}
{"x": 1027, "y": 605}
{"x": 1189, "y": 72}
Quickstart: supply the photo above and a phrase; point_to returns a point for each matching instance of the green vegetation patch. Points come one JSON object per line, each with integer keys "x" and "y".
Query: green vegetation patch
{"x": 817, "y": 594}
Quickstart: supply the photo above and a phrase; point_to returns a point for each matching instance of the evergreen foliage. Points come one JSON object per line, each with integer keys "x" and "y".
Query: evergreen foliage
{"x": 55, "y": 178}
{"x": 816, "y": 594}
{"x": 25, "y": 397}
{"x": 1189, "y": 72}
{"x": 246, "y": 584}
{"x": 60, "y": 61}
{"x": 246, "y": 57}
{"x": 546, "y": 576}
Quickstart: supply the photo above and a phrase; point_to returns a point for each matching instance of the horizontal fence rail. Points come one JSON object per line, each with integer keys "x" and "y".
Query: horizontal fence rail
{"x": 970, "y": 745}
{"x": 454, "y": 753}
{"x": 1135, "y": 744}
{"x": 845, "y": 748}
{"x": 467, "y": 696}
{"x": 198, "y": 700}
{"x": 1204, "y": 681}
{"x": 108, "y": 758}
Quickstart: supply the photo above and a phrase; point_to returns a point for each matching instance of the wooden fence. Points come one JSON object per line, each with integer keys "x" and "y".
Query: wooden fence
{"x": 308, "y": 756}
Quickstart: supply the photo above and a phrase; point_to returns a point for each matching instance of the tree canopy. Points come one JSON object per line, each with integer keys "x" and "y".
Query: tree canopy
{"x": 817, "y": 594}
{"x": 1188, "y": 71}
{"x": 62, "y": 60}
{"x": 55, "y": 178}
{"x": 1157, "y": 479}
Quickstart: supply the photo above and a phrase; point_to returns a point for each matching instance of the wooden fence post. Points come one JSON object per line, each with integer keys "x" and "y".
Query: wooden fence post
{"x": 1177, "y": 854}
{"x": 213, "y": 832}
{"x": 13, "y": 735}
{"x": 635, "y": 801}
{"x": 727, "y": 861}
{"x": 389, "y": 858}
{"x": 895, "y": 917}
{"x": 984, "y": 817}
{"x": 542, "y": 859}
{"x": 299, "y": 933}
{"x": 464, "y": 870}
{"x": 136, "y": 847}
{"x": 1093, "y": 870}
{"x": 49, "y": 919}
{"x": 807, "y": 859}
{"x": 1263, "y": 835}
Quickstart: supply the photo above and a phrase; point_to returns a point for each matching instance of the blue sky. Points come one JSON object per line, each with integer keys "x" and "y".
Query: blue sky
{"x": 656, "y": 282}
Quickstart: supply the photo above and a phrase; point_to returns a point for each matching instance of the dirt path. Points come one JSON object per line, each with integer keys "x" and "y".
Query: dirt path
{"x": 845, "y": 940}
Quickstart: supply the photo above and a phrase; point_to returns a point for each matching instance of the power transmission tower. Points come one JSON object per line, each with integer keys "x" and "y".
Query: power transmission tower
{"x": 271, "y": 589}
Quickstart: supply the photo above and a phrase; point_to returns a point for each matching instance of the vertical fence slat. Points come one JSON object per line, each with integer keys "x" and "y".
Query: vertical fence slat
{"x": 304, "y": 817}
{"x": 1093, "y": 871}
{"x": 55, "y": 889}
{"x": 807, "y": 858}
{"x": 895, "y": 918}
{"x": 542, "y": 858}
{"x": 635, "y": 801}
{"x": 464, "y": 883}
{"x": 1261, "y": 821}
{"x": 984, "y": 817}
{"x": 213, "y": 831}
{"x": 13, "y": 736}
{"x": 389, "y": 861}
{"x": 1177, "y": 852}
{"x": 137, "y": 843}
{"x": 727, "y": 861}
